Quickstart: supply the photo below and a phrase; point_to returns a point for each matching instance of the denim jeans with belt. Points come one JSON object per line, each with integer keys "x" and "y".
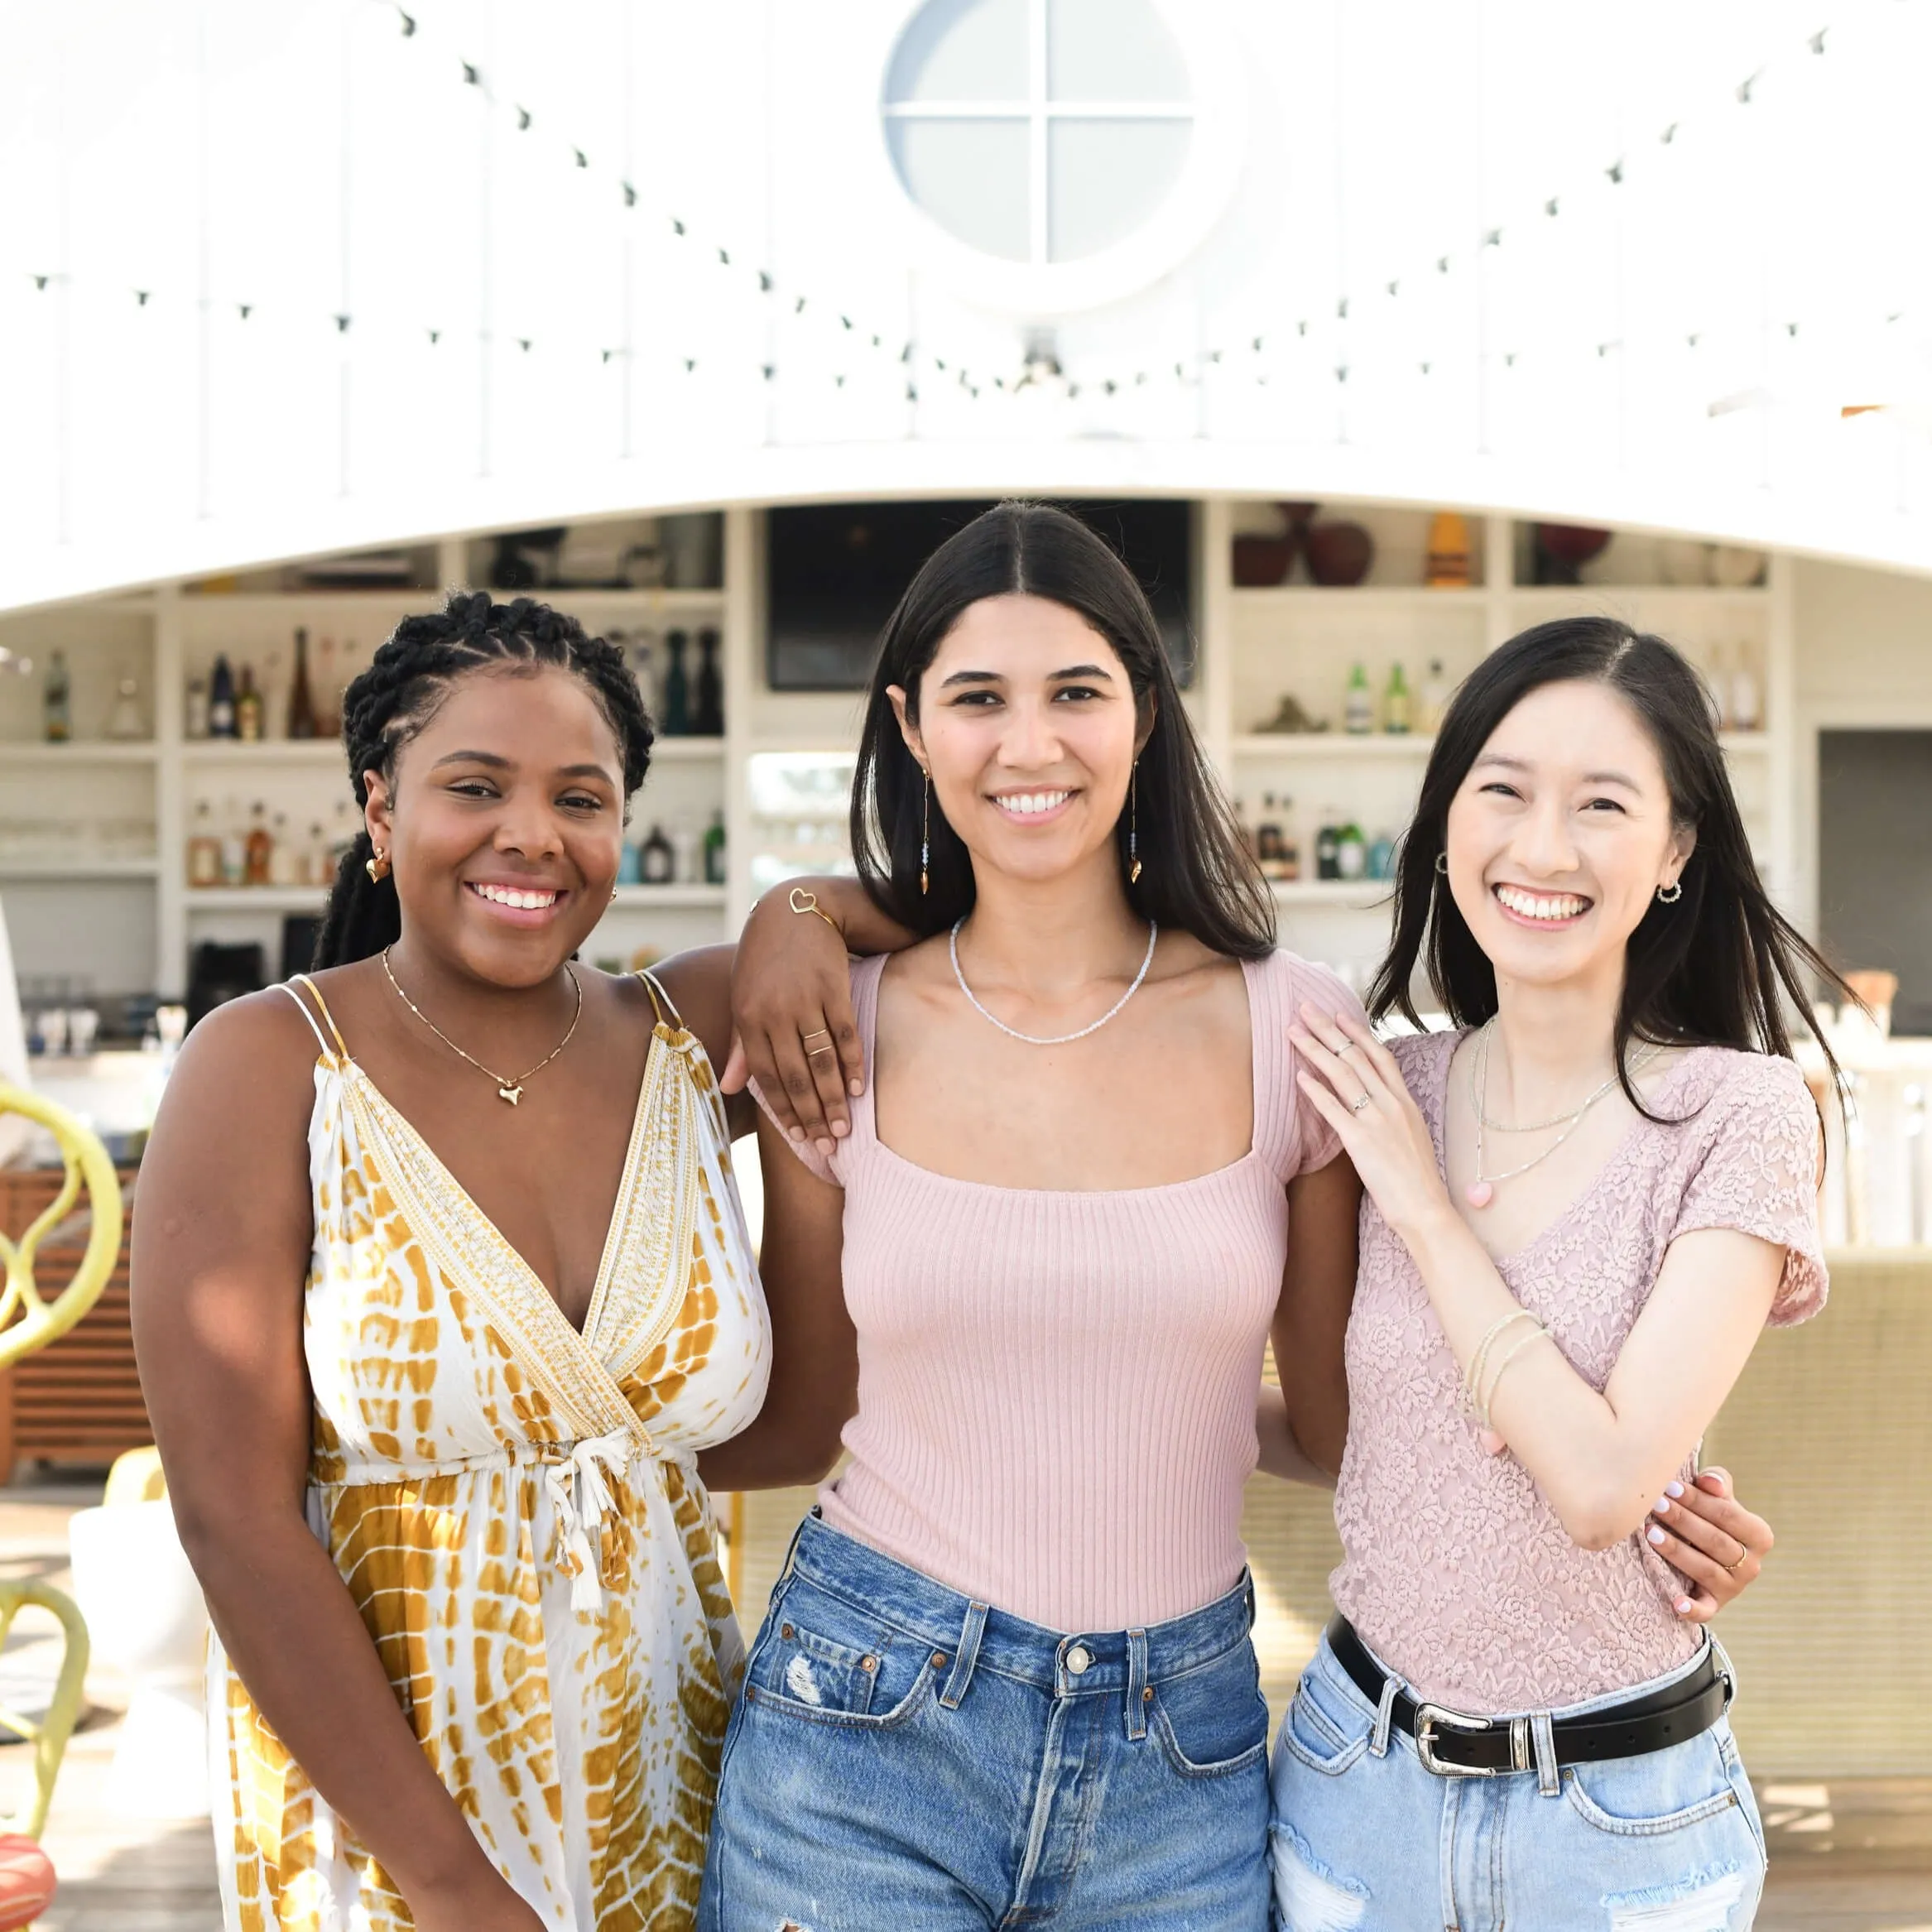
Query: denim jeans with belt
{"x": 904, "y": 1759}
{"x": 1366, "y": 1839}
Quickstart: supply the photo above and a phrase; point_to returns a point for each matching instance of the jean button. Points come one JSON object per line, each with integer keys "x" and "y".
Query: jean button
{"x": 1078, "y": 1659}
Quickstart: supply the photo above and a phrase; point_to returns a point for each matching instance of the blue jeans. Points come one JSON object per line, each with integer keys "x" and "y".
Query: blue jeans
{"x": 1365, "y": 1839}
{"x": 904, "y": 1760}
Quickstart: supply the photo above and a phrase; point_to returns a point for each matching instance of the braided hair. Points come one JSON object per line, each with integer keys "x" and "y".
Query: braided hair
{"x": 402, "y": 689}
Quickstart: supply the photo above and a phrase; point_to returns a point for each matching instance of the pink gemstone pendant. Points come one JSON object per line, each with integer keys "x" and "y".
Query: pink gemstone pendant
{"x": 1479, "y": 1194}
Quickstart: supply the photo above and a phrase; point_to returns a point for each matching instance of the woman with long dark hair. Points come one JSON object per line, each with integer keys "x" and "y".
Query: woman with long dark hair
{"x": 445, "y": 1308}
{"x": 1583, "y": 1205}
{"x": 1007, "y": 1672}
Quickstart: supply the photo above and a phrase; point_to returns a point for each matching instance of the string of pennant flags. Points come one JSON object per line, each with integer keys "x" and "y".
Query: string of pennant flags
{"x": 1255, "y": 358}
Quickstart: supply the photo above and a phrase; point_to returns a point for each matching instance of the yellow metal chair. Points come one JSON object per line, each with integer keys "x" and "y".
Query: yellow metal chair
{"x": 29, "y": 1321}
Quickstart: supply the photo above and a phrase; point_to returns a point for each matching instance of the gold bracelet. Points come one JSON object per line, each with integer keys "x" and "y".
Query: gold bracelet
{"x": 1542, "y": 1334}
{"x": 804, "y": 902}
{"x": 1473, "y": 1380}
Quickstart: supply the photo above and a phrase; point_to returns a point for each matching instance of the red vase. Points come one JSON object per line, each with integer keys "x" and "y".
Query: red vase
{"x": 1339, "y": 554}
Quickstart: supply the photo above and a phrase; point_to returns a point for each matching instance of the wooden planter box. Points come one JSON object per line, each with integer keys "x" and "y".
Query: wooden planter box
{"x": 78, "y": 1400}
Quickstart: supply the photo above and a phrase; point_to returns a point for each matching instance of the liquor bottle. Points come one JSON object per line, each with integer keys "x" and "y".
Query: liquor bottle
{"x": 686, "y": 851}
{"x": 344, "y": 824}
{"x": 317, "y": 861}
{"x": 284, "y": 861}
{"x": 327, "y": 689}
{"x": 248, "y": 708}
{"x": 1381, "y": 857}
{"x": 1250, "y": 839}
{"x": 301, "y": 706}
{"x": 204, "y": 848}
{"x": 234, "y": 846}
{"x": 708, "y": 710}
{"x": 1326, "y": 847}
{"x": 1435, "y": 697}
{"x": 221, "y": 700}
{"x": 647, "y": 668}
{"x": 715, "y": 862}
{"x": 353, "y": 665}
{"x": 1358, "y": 706}
{"x": 1395, "y": 703}
{"x": 195, "y": 709}
{"x": 1350, "y": 851}
{"x": 1291, "y": 858}
{"x": 677, "y": 688}
{"x": 656, "y": 862}
{"x": 127, "y": 721}
{"x": 259, "y": 851}
{"x": 56, "y": 701}
{"x": 1267, "y": 839}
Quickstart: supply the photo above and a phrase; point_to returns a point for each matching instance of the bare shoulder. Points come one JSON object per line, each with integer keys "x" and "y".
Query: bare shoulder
{"x": 257, "y": 1051}
{"x": 699, "y": 983}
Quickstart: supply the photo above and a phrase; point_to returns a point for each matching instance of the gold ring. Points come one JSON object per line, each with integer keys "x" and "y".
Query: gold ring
{"x": 816, "y": 1051}
{"x": 817, "y": 1033}
{"x": 1732, "y": 1569}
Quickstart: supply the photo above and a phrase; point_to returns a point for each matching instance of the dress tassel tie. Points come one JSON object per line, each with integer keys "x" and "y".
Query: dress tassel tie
{"x": 580, "y": 1496}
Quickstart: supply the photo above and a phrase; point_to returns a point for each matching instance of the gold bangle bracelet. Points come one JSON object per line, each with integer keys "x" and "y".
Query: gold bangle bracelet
{"x": 1542, "y": 1335}
{"x": 801, "y": 900}
{"x": 1473, "y": 1380}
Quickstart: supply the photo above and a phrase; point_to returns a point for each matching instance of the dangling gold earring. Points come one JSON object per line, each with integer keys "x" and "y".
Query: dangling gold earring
{"x": 924, "y": 832}
{"x": 1134, "y": 825}
{"x": 376, "y": 866}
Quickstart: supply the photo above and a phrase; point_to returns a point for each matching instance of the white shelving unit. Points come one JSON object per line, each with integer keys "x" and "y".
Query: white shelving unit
{"x": 1255, "y": 645}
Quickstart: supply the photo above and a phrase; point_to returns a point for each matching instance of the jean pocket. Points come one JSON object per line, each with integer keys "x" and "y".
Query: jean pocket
{"x": 824, "y": 1660}
{"x": 1325, "y": 1729}
{"x": 1651, "y": 1796}
{"x": 1212, "y": 1720}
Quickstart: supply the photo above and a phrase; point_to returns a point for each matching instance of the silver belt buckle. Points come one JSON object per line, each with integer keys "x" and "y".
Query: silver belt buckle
{"x": 1428, "y": 1716}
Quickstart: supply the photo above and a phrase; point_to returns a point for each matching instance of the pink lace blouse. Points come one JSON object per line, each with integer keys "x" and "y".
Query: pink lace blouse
{"x": 1454, "y": 1569}
{"x": 1056, "y": 1390}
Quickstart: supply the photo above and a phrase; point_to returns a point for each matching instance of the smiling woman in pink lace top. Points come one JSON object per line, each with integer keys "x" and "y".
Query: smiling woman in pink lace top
{"x": 1582, "y": 1208}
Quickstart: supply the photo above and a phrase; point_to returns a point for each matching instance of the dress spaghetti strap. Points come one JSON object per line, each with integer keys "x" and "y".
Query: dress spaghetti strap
{"x": 661, "y": 1000}
{"x": 340, "y": 1050}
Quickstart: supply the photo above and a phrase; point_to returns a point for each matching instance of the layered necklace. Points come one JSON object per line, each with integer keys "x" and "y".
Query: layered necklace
{"x": 506, "y": 1090}
{"x": 1482, "y": 1190}
{"x": 1058, "y": 1039}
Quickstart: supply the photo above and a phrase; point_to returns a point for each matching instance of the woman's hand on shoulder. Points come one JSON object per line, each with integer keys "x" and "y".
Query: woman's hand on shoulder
{"x": 793, "y": 1028}
{"x": 1708, "y": 1536}
{"x": 1356, "y": 1085}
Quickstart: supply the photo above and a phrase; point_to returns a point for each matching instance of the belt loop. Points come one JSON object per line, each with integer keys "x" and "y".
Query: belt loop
{"x": 1138, "y": 1696}
{"x": 1385, "y": 1717}
{"x": 970, "y": 1632}
{"x": 1543, "y": 1743}
{"x": 791, "y": 1548}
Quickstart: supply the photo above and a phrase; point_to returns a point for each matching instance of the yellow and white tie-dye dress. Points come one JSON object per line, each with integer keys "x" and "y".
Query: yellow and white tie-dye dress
{"x": 515, "y": 1509}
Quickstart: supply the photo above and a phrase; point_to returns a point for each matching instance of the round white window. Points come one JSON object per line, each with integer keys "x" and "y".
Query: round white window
{"x": 1054, "y": 136}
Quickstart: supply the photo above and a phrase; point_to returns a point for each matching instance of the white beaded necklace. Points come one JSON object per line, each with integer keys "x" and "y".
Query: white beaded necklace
{"x": 1059, "y": 1039}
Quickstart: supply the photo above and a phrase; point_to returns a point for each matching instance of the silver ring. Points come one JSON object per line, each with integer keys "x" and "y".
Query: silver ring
{"x": 1360, "y": 1104}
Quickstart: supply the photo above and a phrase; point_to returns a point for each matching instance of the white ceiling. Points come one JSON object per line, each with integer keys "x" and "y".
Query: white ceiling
{"x": 1673, "y": 348}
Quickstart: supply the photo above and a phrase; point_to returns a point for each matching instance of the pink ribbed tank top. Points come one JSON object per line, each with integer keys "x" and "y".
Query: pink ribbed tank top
{"x": 1056, "y": 1391}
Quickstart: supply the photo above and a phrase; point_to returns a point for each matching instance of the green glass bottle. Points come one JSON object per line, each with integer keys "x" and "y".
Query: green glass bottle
{"x": 1395, "y": 707}
{"x": 1358, "y": 703}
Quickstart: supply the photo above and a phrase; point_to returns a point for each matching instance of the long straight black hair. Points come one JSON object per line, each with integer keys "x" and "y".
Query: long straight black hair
{"x": 1195, "y": 873}
{"x": 1714, "y": 968}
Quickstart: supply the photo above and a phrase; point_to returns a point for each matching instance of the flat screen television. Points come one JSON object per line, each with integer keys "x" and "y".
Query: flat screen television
{"x": 835, "y": 570}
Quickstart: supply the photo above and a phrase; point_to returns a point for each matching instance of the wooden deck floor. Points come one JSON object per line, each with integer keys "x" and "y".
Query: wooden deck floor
{"x": 1847, "y": 1855}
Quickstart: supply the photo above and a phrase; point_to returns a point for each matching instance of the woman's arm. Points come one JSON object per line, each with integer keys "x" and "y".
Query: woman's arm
{"x": 815, "y": 1353}
{"x": 792, "y": 983}
{"x": 1311, "y": 1320}
{"x": 221, "y": 1253}
{"x": 1281, "y": 1454}
{"x": 1601, "y": 1459}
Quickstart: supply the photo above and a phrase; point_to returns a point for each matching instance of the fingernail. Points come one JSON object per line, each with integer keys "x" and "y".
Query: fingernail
{"x": 1673, "y": 1489}
{"x": 1684, "y": 1605}
{"x": 859, "y": 1086}
{"x": 1662, "y": 1506}
{"x": 840, "y": 1129}
{"x": 828, "y": 1147}
{"x": 1654, "y": 1533}
{"x": 797, "y": 1133}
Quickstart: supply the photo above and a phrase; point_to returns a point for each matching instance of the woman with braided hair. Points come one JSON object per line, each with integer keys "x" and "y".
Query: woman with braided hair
{"x": 446, "y": 1306}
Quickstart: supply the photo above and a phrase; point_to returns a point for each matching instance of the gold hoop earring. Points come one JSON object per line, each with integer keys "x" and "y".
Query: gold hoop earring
{"x": 376, "y": 866}
{"x": 924, "y": 832}
{"x": 1134, "y": 825}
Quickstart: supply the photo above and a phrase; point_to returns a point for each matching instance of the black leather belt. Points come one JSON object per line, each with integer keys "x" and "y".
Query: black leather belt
{"x": 1452, "y": 1745}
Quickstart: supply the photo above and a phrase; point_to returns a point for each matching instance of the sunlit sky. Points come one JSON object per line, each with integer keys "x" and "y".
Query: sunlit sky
{"x": 192, "y": 195}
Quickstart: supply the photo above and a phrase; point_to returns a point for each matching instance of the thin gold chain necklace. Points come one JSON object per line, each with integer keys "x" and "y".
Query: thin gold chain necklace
{"x": 509, "y": 1090}
{"x": 1482, "y": 1190}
